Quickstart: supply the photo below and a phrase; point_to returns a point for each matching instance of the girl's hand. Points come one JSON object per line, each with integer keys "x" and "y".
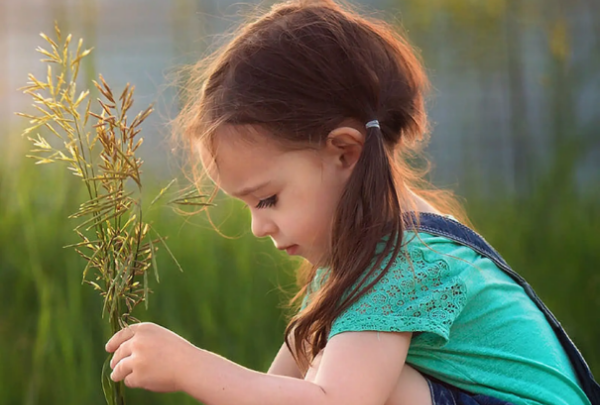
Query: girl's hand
{"x": 151, "y": 357}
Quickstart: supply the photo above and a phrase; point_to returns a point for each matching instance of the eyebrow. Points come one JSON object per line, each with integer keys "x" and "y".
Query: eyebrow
{"x": 249, "y": 190}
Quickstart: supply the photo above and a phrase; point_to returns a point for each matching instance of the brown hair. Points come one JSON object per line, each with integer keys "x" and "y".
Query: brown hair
{"x": 298, "y": 71}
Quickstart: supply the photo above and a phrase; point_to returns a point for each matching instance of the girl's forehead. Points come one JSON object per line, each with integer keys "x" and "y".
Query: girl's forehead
{"x": 237, "y": 163}
{"x": 245, "y": 146}
{"x": 233, "y": 157}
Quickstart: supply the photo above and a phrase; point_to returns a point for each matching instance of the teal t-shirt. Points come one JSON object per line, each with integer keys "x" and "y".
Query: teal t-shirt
{"x": 474, "y": 327}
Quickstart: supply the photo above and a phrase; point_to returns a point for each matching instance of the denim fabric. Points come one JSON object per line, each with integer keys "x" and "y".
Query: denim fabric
{"x": 443, "y": 394}
{"x": 459, "y": 233}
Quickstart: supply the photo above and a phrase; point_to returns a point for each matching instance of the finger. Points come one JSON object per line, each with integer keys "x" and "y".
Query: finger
{"x": 118, "y": 338}
{"x": 122, "y": 369}
{"x": 123, "y": 351}
{"x": 129, "y": 381}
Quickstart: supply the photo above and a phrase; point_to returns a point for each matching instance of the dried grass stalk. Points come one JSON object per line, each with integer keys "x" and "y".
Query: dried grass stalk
{"x": 115, "y": 241}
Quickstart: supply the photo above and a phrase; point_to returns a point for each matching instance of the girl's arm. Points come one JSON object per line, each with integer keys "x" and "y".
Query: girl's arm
{"x": 284, "y": 364}
{"x": 357, "y": 368}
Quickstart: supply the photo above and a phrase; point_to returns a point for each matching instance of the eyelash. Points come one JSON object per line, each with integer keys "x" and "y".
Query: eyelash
{"x": 267, "y": 202}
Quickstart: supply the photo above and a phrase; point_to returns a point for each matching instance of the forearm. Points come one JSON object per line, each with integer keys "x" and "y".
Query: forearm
{"x": 215, "y": 380}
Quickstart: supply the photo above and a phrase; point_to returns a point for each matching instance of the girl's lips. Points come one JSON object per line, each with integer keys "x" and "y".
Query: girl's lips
{"x": 291, "y": 250}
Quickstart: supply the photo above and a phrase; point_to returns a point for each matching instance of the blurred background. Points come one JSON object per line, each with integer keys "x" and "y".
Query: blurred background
{"x": 516, "y": 113}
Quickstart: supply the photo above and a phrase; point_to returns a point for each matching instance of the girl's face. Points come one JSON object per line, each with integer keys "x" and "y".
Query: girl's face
{"x": 292, "y": 195}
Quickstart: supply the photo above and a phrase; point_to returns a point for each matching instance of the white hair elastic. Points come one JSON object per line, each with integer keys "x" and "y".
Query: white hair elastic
{"x": 373, "y": 124}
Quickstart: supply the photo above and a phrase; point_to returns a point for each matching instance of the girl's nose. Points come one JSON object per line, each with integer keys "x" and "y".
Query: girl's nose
{"x": 262, "y": 226}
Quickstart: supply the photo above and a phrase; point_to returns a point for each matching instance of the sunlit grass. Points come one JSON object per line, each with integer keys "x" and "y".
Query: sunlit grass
{"x": 117, "y": 243}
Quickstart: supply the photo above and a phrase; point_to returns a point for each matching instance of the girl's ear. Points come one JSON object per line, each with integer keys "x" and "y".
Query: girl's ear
{"x": 344, "y": 146}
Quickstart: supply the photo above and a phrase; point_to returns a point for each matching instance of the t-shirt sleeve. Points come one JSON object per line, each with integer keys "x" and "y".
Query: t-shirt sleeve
{"x": 421, "y": 292}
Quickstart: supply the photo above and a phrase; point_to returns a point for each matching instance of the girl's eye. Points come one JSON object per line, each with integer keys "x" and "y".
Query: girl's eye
{"x": 267, "y": 202}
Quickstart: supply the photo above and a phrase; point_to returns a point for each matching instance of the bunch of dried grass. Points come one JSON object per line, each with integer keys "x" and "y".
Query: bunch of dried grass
{"x": 115, "y": 241}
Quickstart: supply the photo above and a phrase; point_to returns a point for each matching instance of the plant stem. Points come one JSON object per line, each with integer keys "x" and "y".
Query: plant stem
{"x": 117, "y": 387}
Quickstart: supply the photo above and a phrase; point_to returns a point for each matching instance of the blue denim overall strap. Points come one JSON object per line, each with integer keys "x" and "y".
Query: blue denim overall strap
{"x": 457, "y": 232}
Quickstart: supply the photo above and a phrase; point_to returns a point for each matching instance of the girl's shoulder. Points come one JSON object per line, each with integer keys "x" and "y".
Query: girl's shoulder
{"x": 422, "y": 255}
{"x": 423, "y": 289}
{"x": 422, "y": 250}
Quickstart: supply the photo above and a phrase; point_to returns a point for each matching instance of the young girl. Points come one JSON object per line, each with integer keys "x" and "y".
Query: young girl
{"x": 309, "y": 116}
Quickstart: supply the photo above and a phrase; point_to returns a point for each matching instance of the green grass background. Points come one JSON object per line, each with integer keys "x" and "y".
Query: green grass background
{"x": 228, "y": 299}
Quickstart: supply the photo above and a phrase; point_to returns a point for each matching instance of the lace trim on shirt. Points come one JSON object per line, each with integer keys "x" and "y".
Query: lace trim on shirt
{"x": 428, "y": 300}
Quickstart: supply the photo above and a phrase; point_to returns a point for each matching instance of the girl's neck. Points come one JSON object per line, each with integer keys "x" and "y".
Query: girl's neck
{"x": 410, "y": 201}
